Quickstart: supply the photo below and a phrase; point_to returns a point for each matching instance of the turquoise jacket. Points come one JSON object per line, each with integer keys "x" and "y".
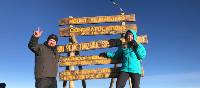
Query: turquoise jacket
{"x": 130, "y": 62}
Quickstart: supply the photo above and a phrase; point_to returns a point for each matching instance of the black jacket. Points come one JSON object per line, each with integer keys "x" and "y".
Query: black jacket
{"x": 46, "y": 59}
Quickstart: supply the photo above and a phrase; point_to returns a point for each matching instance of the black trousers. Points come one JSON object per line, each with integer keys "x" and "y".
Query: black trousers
{"x": 48, "y": 82}
{"x": 123, "y": 77}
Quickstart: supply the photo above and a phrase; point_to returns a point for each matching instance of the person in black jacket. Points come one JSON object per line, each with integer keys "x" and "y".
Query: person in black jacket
{"x": 46, "y": 60}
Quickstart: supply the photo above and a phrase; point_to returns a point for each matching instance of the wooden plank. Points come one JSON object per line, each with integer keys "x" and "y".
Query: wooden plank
{"x": 96, "y": 30}
{"x": 97, "y": 44}
{"x": 86, "y": 77}
{"x": 97, "y": 19}
{"x": 85, "y": 60}
{"x": 89, "y": 74}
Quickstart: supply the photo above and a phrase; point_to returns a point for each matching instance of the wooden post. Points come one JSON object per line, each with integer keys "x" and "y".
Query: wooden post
{"x": 142, "y": 75}
{"x": 130, "y": 83}
{"x": 71, "y": 83}
{"x": 83, "y": 81}
{"x": 116, "y": 65}
{"x": 113, "y": 79}
{"x": 73, "y": 40}
{"x": 80, "y": 68}
{"x": 65, "y": 82}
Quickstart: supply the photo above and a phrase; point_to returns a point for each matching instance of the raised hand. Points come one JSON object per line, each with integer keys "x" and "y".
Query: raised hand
{"x": 37, "y": 33}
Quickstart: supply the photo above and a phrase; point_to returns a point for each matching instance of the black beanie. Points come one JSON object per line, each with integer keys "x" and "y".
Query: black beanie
{"x": 52, "y": 36}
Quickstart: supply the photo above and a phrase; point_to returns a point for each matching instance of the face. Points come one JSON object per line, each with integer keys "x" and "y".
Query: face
{"x": 52, "y": 42}
{"x": 129, "y": 37}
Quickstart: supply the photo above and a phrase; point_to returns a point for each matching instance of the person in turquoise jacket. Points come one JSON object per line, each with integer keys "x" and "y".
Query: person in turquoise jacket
{"x": 130, "y": 54}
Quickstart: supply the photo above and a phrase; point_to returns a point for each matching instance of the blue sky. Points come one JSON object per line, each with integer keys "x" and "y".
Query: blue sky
{"x": 172, "y": 27}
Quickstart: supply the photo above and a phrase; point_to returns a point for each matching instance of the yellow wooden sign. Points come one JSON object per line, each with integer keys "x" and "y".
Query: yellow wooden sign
{"x": 85, "y": 60}
{"x": 97, "y": 44}
{"x": 89, "y": 74}
{"x": 97, "y": 19}
{"x": 97, "y": 30}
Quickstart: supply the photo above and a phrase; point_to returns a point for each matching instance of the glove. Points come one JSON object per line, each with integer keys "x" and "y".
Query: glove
{"x": 102, "y": 54}
{"x": 135, "y": 45}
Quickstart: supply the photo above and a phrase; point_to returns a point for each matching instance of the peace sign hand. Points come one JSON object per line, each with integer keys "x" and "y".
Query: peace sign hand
{"x": 37, "y": 33}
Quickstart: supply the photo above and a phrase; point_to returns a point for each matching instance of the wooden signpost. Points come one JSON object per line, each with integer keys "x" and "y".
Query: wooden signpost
{"x": 97, "y": 44}
{"x": 97, "y": 19}
{"x": 73, "y": 60}
{"x": 96, "y": 30}
{"x": 98, "y": 73}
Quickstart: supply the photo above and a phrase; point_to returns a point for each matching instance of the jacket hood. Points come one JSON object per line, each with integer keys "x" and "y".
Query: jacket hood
{"x": 133, "y": 32}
